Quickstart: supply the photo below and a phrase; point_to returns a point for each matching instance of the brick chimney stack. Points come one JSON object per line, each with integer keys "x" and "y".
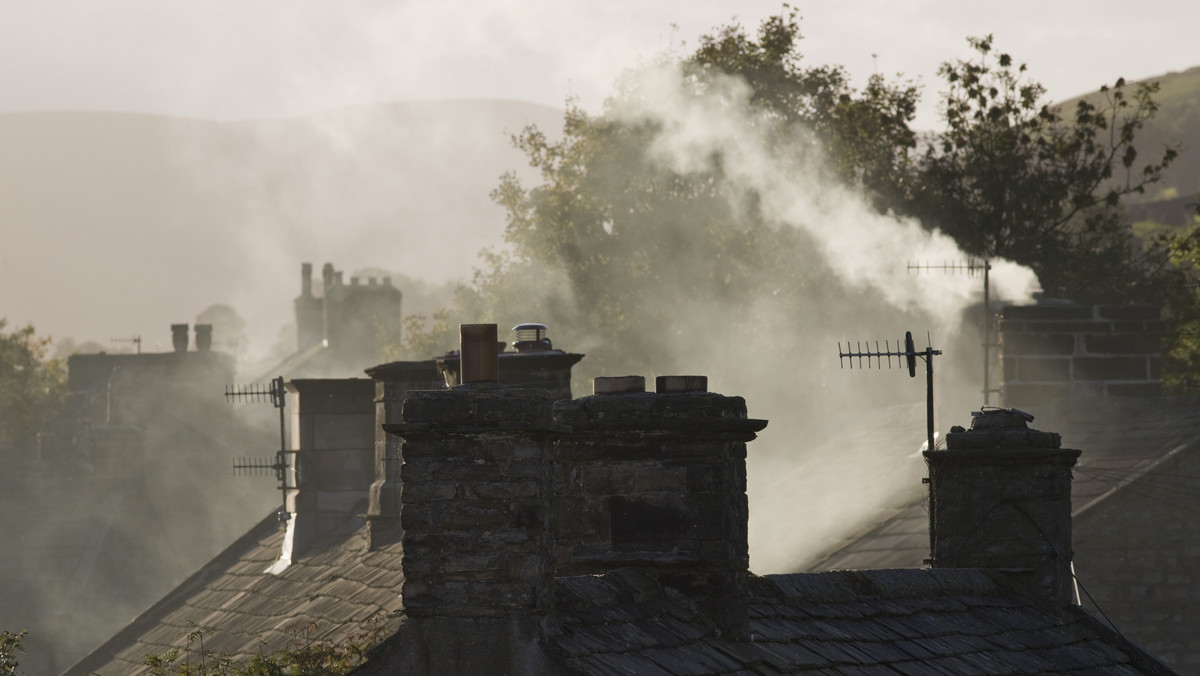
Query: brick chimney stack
{"x": 657, "y": 481}
{"x": 1000, "y": 498}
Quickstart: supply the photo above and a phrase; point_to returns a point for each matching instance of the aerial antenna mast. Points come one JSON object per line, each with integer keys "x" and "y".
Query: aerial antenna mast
{"x": 972, "y": 267}
{"x": 136, "y": 340}
{"x": 909, "y": 354}
{"x": 276, "y": 394}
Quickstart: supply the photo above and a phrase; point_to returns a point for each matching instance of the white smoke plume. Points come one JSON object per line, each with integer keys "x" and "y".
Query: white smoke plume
{"x": 841, "y": 444}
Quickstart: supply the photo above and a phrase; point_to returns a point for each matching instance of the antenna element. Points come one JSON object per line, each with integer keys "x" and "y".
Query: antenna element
{"x": 910, "y": 355}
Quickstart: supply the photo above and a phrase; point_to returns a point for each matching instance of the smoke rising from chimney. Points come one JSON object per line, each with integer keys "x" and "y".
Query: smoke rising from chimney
{"x": 811, "y": 482}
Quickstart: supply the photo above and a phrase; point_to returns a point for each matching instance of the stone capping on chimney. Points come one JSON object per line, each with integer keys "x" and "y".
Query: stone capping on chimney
{"x": 1000, "y": 498}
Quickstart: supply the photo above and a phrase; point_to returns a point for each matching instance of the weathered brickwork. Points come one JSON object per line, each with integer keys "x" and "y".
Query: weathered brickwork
{"x": 656, "y": 481}
{"x": 497, "y": 497}
{"x": 475, "y": 485}
{"x": 1139, "y": 557}
{"x": 1000, "y": 498}
{"x": 1052, "y": 352}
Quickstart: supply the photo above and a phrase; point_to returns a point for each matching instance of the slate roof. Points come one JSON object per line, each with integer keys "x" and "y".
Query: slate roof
{"x": 1120, "y": 439}
{"x": 338, "y": 589}
{"x": 949, "y": 622}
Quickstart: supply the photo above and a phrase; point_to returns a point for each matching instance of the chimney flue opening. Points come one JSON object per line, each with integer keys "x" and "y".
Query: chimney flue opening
{"x": 480, "y": 361}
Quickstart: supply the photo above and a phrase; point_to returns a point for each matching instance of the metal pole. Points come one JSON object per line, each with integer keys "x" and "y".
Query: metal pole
{"x": 929, "y": 396}
{"x": 987, "y": 335}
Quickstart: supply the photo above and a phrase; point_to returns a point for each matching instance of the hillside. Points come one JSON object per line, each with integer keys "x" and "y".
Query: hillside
{"x": 1176, "y": 123}
{"x": 114, "y": 224}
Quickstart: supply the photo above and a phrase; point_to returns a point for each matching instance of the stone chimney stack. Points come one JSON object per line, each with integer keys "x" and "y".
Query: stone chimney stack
{"x": 306, "y": 290}
{"x": 657, "y": 481}
{"x": 475, "y": 485}
{"x": 1000, "y": 498}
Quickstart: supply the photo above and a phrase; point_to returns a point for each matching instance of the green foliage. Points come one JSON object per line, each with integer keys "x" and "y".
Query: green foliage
{"x": 1182, "y": 338}
{"x": 32, "y": 388}
{"x": 423, "y": 337}
{"x": 614, "y": 243}
{"x": 304, "y": 655}
{"x": 10, "y": 646}
{"x": 1011, "y": 177}
{"x": 1177, "y": 123}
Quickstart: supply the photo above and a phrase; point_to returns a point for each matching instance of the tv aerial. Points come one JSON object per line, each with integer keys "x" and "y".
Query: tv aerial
{"x": 971, "y": 267}
{"x": 276, "y": 394}
{"x": 906, "y": 357}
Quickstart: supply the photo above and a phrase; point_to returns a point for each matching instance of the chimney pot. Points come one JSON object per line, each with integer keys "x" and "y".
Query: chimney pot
{"x": 204, "y": 337}
{"x": 480, "y": 361}
{"x": 680, "y": 384}
{"x": 618, "y": 384}
{"x": 354, "y": 281}
{"x": 306, "y": 280}
{"x": 531, "y": 337}
{"x": 179, "y": 337}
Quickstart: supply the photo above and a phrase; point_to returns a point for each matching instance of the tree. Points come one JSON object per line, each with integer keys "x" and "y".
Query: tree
{"x": 32, "y": 389}
{"x": 10, "y": 646}
{"x": 618, "y": 244}
{"x": 1011, "y": 177}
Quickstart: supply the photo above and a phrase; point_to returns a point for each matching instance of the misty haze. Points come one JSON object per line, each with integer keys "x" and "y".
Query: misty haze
{"x": 190, "y": 296}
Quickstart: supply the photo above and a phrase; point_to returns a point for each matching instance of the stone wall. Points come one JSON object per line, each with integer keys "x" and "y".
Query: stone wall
{"x": 1051, "y": 352}
{"x": 498, "y": 498}
{"x": 474, "y": 502}
{"x": 656, "y": 481}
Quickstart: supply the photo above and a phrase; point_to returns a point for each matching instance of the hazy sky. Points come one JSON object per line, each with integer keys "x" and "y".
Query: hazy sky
{"x": 234, "y": 58}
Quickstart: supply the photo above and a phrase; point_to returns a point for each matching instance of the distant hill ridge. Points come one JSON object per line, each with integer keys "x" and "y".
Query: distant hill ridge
{"x": 116, "y": 223}
{"x": 113, "y": 224}
{"x": 1176, "y": 123}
